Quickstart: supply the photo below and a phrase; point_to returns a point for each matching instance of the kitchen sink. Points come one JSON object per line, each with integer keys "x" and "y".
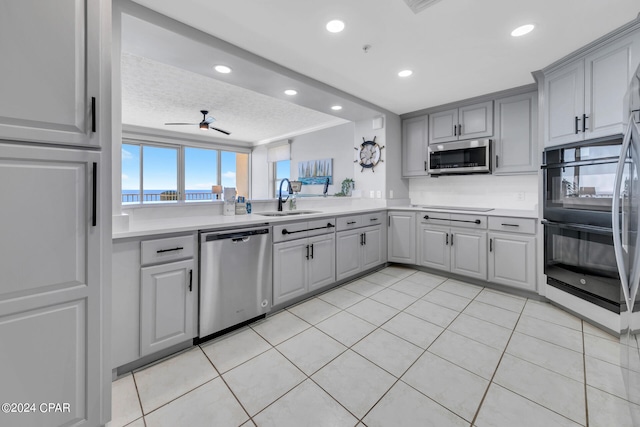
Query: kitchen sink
{"x": 286, "y": 213}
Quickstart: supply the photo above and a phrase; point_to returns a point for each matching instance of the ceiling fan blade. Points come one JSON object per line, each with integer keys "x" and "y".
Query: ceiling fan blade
{"x": 191, "y": 124}
{"x": 220, "y": 130}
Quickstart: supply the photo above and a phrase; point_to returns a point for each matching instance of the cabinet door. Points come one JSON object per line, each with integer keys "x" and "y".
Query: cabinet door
{"x": 516, "y": 134}
{"x": 469, "y": 253}
{"x": 564, "y": 97}
{"x": 512, "y": 260}
{"x": 348, "y": 253}
{"x": 289, "y": 270}
{"x": 476, "y": 121}
{"x": 322, "y": 262}
{"x": 414, "y": 146}
{"x": 607, "y": 75}
{"x": 433, "y": 247}
{"x": 443, "y": 126}
{"x": 50, "y": 291}
{"x": 372, "y": 248}
{"x": 50, "y": 54}
{"x": 402, "y": 237}
{"x": 166, "y": 305}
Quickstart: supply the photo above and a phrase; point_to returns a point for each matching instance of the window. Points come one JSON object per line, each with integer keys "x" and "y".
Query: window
{"x": 282, "y": 170}
{"x": 159, "y": 174}
{"x": 200, "y": 173}
{"x": 154, "y": 173}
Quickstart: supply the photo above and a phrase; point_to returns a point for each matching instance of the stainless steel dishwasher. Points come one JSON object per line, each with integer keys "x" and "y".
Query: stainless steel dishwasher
{"x": 235, "y": 277}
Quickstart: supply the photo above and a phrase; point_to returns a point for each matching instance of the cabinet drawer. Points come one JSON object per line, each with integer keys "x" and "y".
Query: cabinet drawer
{"x": 321, "y": 226}
{"x": 166, "y": 250}
{"x": 349, "y": 222}
{"x": 435, "y": 218}
{"x": 373, "y": 218}
{"x": 469, "y": 221}
{"x": 281, "y": 233}
{"x": 516, "y": 225}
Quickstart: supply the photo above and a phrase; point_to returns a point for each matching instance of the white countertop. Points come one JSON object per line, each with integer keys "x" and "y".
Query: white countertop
{"x": 153, "y": 227}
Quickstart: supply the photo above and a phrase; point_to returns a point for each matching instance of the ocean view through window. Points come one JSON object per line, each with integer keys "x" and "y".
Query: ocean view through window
{"x": 153, "y": 173}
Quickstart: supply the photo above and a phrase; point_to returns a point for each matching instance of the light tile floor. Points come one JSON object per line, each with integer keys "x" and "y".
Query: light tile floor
{"x": 398, "y": 347}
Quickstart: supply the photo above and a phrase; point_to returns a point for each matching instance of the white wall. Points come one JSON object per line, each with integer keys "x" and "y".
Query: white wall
{"x": 260, "y": 173}
{"x": 332, "y": 143}
{"x": 476, "y": 191}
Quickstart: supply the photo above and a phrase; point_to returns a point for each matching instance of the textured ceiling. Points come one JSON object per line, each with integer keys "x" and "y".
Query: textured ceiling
{"x": 456, "y": 48}
{"x": 154, "y": 93}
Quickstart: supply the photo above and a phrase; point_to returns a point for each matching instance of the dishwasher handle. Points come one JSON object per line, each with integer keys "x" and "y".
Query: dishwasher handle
{"x": 235, "y": 236}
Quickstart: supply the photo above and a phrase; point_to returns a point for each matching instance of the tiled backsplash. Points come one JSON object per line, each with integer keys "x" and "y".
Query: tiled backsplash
{"x": 504, "y": 192}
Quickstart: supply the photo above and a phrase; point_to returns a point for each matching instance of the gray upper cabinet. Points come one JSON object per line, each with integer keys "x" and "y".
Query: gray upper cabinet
{"x": 516, "y": 134}
{"x": 414, "y": 146}
{"x": 49, "y": 71}
{"x": 467, "y": 122}
{"x": 584, "y": 98}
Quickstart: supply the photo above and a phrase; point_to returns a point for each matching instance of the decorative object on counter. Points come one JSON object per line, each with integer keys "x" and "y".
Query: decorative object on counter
{"x": 217, "y": 190}
{"x": 296, "y": 186}
{"x": 315, "y": 172}
{"x": 229, "y": 201}
{"x": 241, "y": 208}
{"x": 369, "y": 154}
{"x": 248, "y": 206}
{"x": 347, "y": 186}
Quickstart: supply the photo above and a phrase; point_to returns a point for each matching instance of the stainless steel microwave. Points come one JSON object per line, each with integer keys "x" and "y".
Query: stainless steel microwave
{"x": 460, "y": 157}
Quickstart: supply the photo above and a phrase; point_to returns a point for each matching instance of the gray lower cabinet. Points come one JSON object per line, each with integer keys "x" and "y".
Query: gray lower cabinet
{"x": 512, "y": 252}
{"x": 154, "y": 295}
{"x": 461, "y": 250}
{"x": 516, "y": 134}
{"x": 302, "y": 265}
{"x": 167, "y": 305}
{"x": 401, "y": 237}
{"x": 358, "y": 250}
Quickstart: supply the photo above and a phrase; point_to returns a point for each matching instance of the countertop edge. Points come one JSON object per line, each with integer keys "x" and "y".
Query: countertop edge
{"x": 192, "y": 224}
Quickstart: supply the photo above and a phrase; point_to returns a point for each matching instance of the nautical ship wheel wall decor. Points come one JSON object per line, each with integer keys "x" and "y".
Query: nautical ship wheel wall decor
{"x": 369, "y": 154}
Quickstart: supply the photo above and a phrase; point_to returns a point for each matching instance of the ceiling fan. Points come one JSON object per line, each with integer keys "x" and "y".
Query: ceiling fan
{"x": 204, "y": 124}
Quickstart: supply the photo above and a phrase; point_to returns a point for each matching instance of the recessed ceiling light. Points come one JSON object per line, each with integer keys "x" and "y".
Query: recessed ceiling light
{"x": 336, "y": 107}
{"x": 405, "y": 73}
{"x": 522, "y": 30}
{"x": 222, "y": 69}
{"x": 335, "y": 26}
{"x": 290, "y": 92}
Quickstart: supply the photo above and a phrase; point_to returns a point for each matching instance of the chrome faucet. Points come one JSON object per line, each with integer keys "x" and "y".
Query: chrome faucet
{"x": 289, "y": 191}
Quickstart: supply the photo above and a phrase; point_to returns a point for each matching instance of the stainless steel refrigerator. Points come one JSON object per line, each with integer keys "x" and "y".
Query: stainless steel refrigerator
{"x": 626, "y": 217}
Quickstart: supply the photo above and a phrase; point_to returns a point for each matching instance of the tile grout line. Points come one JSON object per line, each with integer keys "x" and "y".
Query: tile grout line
{"x": 584, "y": 370}
{"x": 399, "y": 378}
{"x": 226, "y": 384}
{"x": 484, "y": 396}
{"x": 135, "y": 383}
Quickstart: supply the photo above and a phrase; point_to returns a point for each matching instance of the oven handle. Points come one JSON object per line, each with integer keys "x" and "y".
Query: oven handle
{"x": 602, "y": 161}
{"x": 615, "y": 208}
{"x": 577, "y": 227}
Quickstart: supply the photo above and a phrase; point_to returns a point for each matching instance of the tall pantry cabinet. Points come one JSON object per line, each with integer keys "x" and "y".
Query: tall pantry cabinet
{"x": 55, "y": 245}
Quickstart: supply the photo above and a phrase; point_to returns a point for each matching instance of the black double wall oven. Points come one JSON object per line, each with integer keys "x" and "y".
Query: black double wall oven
{"x": 579, "y": 256}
